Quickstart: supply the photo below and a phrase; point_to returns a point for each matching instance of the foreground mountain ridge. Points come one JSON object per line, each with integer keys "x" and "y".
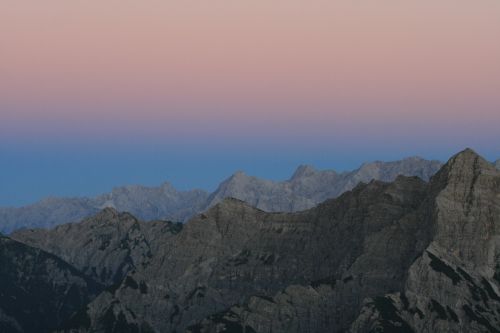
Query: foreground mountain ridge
{"x": 38, "y": 291}
{"x": 404, "y": 256}
{"x": 305, "y": 189}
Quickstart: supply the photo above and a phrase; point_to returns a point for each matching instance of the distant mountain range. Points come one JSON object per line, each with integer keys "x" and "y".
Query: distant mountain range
{"x": 400, "y": 256}
{"x": 305, "y": 189}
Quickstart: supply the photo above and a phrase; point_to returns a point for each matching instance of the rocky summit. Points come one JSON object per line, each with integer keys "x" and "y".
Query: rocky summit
{"x": 386, "y": 256}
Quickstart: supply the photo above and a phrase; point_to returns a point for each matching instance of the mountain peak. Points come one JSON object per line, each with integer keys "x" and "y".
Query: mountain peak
{"x": 239, "y": 174}
{"x": 110, "y": 215}
{"x": 303, "y": 170}
{"x": 468, "y": 158}
{"x": 107, "y": 211}
{"x": 467, "y": 151}
{"x": 230, "y": 201}
{"x": 463, "y": 166}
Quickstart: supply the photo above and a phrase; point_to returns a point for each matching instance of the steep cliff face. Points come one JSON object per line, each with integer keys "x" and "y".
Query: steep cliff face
{"x": 38, "y": 291}
{"x": 454, "y": 284}
{"x": 104, "y": 247}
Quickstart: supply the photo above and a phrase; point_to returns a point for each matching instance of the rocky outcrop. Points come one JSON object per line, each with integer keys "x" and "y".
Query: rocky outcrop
{"x": 104, "y": 247}
{"x": 305, "y": 189}
{"x": 38, "y": 291}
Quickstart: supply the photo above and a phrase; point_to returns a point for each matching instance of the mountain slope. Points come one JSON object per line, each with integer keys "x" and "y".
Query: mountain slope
{"x": 38, "y": 291}
{"x": 452, "y": 285}
{"x": 234, "y": 251}
{"x": 406, "y": 256}
{"x": 105, "y": 247}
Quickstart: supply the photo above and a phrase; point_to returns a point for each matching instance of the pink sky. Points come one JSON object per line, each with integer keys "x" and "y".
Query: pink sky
{"x": 184, "y": 66}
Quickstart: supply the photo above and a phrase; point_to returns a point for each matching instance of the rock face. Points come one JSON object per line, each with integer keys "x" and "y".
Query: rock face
{"x": 105, "y": 247}
{"x": 148, "y": 203}
{"x": 406, "y": 256}
{"x": 497, "y": 164}
{"x": 38, "y": 291}
{"x": 305, "y": 189}
{"x": 454, "y": 285}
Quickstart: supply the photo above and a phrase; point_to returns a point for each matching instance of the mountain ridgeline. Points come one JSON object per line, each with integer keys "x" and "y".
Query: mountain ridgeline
{"x": 386, "y": 256}
{"x": 307, "y": 188}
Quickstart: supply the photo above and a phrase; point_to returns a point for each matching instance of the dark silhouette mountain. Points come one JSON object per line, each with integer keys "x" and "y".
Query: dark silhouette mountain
{"x": 401, "y": 256}
{"x": 38, "y": 291}
{"x": 305, "y": 189}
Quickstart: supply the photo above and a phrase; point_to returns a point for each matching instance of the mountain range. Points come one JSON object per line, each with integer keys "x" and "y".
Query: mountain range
{"x": 305, "y": 189}
{"x": 386, "y": 256}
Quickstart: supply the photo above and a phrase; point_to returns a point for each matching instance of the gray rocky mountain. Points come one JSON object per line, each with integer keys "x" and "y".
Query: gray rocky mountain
{"x": 148, "y": 203}
{"x": 497, "y": 164}
{"x": 400, "y": 256}
{"x": 405, "y": 256}
{"x": 450, "y": 286}
{"x": 38, "y": 291}
{"x": 306, "y": 188}
{"x": 104, "y": 247}
{"x": 309, "y": 187}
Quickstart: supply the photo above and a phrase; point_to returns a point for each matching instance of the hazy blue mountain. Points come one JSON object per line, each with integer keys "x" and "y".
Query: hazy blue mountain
{"x": 148, "y": 203}
{"x": 306, "y": 188}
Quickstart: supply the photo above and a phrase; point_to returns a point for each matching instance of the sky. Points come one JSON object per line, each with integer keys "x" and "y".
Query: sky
{"x": 97, "y": 94}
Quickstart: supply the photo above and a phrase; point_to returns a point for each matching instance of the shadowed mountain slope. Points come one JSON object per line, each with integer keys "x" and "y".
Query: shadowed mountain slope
{"x": 38, "y": 291}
